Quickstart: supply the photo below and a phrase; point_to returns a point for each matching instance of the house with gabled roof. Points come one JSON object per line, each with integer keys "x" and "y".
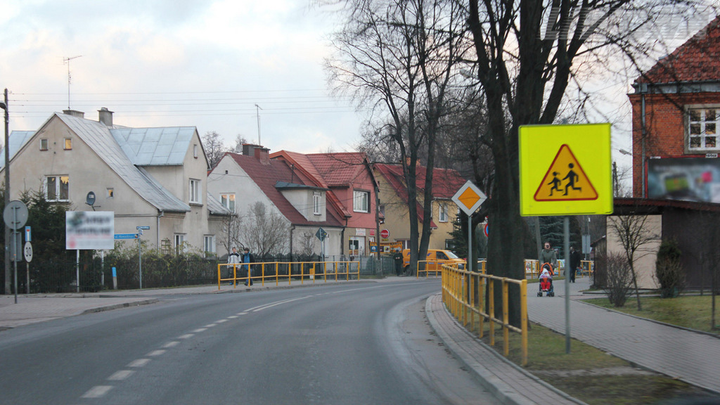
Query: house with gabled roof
{"x": 394, "y": 197}
{"x": 152, "y": 177}
{"x": 351, "y": 195}
{"x": 240, "y": 181}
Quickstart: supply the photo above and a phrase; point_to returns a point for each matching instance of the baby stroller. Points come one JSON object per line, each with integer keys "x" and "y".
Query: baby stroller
{"x": 546, "y": 284}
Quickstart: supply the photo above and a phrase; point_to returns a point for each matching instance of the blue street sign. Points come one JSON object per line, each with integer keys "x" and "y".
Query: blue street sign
{"x": 126, "y": 236}
{"x": 142, "y": 228}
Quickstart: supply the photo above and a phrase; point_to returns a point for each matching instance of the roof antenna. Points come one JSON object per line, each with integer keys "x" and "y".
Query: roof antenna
{"x": 67, "y": 60}
{"x": 257, "y": 112}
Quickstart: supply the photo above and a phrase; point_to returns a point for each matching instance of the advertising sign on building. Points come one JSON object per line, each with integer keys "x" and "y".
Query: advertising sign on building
{"x": 688, "y": 179}
{"x": 89, "y": 230}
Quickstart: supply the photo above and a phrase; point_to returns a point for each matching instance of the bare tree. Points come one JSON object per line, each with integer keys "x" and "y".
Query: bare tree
{"x": 401, "y": 57}
{"x": 619, "y": 277}
{"x": 307, "y": 243}
{"x": 230, "y": 236}
{"x": 240, "y": 140}
{"x": 214, "y": 148}
{"x": 634, "y": 234}
{"x": 264, "y": 232}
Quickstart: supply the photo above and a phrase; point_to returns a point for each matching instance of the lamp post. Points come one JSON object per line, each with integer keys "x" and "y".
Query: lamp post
{"x": 4, "y": 106}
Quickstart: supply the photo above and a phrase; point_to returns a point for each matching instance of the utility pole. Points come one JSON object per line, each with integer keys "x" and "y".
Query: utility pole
{"x": 5, "y": 107}
{"x": 67, "y": 60}
{"x": 257, "y": 113}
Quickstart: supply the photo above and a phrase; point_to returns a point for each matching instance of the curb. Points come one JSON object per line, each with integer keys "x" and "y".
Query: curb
{"x": 500, "y": 390}
{"x": 118, "y": 306}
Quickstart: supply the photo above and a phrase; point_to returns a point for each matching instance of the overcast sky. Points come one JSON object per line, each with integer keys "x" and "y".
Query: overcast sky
{"x": 178, "y": 63}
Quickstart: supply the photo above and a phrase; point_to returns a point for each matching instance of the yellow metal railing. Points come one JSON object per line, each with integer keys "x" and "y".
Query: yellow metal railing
{"x": 587, "y": 266}
{"x": 532, "y": 268}
{"x": 277, "y": 271}
{"x": 435, "y": 266}
{"x": 459, "y": 289}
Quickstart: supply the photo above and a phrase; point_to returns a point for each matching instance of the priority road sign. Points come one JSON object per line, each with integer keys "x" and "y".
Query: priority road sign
{"x": 565, "y": 170}
{"x": 469, "y": 198}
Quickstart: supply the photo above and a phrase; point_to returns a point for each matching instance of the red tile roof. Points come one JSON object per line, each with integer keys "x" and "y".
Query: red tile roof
{"x": 266, "y": 177}
{"x": 697, "y": 60}
{"x": 446, "y": 182}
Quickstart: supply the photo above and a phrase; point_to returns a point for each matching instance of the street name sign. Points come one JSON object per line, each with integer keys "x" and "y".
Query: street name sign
{"x": 126, "y": 236}
{"x": 565, "y": 170}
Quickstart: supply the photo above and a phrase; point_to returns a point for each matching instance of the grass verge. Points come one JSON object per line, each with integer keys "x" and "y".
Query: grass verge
{"x": 686, "y": 311}
{"x": 590, "y": 374}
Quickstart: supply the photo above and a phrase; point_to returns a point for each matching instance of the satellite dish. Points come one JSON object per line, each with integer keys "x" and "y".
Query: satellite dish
{"x": 90, "y": 199}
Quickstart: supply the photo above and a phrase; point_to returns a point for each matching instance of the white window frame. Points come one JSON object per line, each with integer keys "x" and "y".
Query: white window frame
{"x": 180, "y": 245}
{"x": 209, "y": 245}
{"x": 44, "y": 144}
{"x": 58, "y": 190}
{"x": 194, "y": 189}
{"x": 228, "y": 201}
{"x": 317, "y": 203}
{"x": 443, "y": 215}
{"x": 361, "y": 201}
{"x": 706, "y": 128}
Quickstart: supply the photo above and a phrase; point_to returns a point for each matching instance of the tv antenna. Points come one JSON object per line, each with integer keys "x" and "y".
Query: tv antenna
{"x": 67, "y": 60}
{"x": 257, "y": 112}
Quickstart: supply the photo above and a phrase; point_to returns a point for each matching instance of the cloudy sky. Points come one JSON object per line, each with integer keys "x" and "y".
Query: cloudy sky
{"x": 178, "y": 63}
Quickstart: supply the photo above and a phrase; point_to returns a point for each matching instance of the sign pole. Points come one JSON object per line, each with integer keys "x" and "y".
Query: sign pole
{"x": 566, "y": 226}
{"x": 470, "y": 267}
{"x": 15, "y": 247}
{"x": 140, "y": 261}
{"x": 77, "y": 269}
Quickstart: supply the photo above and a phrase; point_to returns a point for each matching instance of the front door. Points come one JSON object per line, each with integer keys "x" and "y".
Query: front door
{"x": 357, "y": 246}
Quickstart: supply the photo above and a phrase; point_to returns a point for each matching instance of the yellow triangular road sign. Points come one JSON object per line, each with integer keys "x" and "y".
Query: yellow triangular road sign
{"x": 565, "y": 180}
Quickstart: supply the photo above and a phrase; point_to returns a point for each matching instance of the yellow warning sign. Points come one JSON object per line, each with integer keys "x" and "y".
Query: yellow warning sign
{"x": 565, "y": 170}
{"x": 565, "y": 180}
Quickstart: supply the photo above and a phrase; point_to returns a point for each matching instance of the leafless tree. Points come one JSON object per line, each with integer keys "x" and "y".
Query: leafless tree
{"x": 634, "y": 234}
{"x": 401, "y": 57}
{"x": 230, "y": 236}
{"x": 214, "y": 148}
{"x": 307, "y": 243}
{"x": 240, "y": 140}
{"x": 264, "y": 232}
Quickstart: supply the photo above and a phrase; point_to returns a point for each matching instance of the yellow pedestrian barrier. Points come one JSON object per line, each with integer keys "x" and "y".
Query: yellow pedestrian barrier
{"x": 302, "y": 271}
{"x": 459, "y": 291}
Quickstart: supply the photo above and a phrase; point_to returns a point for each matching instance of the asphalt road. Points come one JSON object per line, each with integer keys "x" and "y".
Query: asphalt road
{"x": 364, "y": 343}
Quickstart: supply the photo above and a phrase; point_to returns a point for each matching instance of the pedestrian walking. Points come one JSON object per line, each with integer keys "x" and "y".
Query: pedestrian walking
{"x": 234, "y": 259}
{"x": 548, "y": 255}
{"x": 574, "y": 263}
{"x": 247, "y": 258}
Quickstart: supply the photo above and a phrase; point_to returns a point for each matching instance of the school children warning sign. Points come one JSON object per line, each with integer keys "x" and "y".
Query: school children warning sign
{"x": 565, "y": 170}
{"x": 565, "y": 180}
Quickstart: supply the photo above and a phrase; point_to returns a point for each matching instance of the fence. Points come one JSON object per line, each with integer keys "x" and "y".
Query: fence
{"x": 277, "y": 271}
{"x": 464, "y": 294}
{"x": 435, "y": 266}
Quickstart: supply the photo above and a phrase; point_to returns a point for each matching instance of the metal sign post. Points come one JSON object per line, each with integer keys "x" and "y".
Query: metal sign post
{"x": 15, "y": 216}
{"x": 469, "y": 198}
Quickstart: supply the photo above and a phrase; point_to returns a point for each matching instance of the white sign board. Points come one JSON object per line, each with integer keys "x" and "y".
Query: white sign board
{"x": 89, "y": 230}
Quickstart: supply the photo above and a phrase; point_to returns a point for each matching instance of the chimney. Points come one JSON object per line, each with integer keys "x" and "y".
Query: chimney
{"x": 248, "y": 149}
{"x": 105, "y": 116}
{"x": 263, "y": 155}
{"x": 74, "y": 113}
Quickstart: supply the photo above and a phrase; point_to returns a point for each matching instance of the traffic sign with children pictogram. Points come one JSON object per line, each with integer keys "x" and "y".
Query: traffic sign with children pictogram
{"x": 565, "y": 180}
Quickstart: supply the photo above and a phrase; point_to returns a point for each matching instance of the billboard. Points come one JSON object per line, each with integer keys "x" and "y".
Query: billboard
{"x": 687, "y": 179}
{"x": 89, "y": 230}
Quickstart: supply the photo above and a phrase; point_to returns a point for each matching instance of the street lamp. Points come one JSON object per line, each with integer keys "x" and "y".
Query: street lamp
{"x": 4, "y": 106}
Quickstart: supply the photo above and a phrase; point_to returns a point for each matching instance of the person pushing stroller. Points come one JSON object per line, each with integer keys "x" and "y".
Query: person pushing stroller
{"x": 546, "y": 284}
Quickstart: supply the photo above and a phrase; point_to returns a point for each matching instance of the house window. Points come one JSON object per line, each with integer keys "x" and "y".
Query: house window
{"x": 316, "y": 203}
{"x": 68, "y": 144}
{"x": 228, "y": 201}
{"x": 57, "y": 188}
{"x": 702, "y": 129}
{"x": 180, "y": 245}
{"x": 195, "y": 151}
{"x": 443, "y": 212}
{"x": 361, "y": 201}
{"x": 110, "y": 193}
{"x": 195, "y": 191}
{"x": 209, "y": 245}
{"x": 44, "y": 144}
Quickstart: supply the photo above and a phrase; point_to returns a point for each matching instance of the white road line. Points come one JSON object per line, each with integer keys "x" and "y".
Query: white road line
{"x": 139, "y": 363}
{"x": 170, "y": 344}
{"x": 186, "y": 336}
{"x": 233, "y": 317}
{"x": 156, "y": 353}
{"x": 221, "y": 321}
{"x": 212, "y": 325}
{"x": 199, "y": 330}
{"x": 242, "y": 313}
{"x": 97, "y": 391}
{"x": 121, "y": 375}
{"x": 274, "y": 304}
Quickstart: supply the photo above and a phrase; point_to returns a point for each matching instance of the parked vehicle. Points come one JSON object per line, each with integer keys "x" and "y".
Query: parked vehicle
{"x": 434, "y": 260}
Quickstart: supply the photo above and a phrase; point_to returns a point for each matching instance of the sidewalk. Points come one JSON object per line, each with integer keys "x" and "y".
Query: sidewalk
{"x": 688, "y": 356}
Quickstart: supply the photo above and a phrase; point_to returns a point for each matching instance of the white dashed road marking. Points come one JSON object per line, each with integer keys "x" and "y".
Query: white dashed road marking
{"x": 170, "y": 344}
{"x": 221, "y": 321}
{"x": 186, "y": 336}
{"x": 97, "y": 391}
{"x": 156, "y": 353}
{"x": 199, "y": 330}
{"x": 139, "y": 363}
{"x": 121, "y": 375}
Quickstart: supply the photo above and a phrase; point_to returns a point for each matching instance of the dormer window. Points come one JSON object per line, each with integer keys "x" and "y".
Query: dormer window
{"x": 316, "y": 203}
